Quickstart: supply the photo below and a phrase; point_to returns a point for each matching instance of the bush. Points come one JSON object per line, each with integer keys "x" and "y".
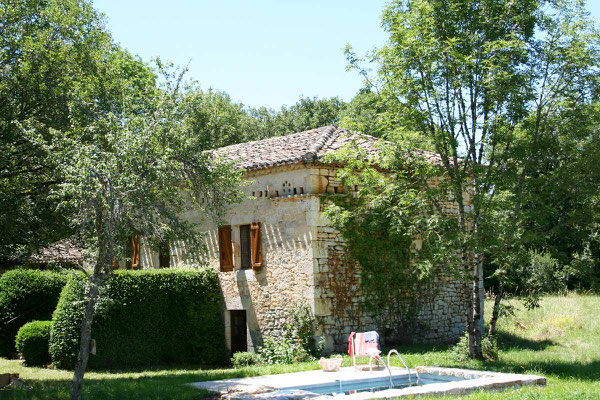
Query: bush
{"x": 303, "y": 328}
{"x": 245, "y": 358}
{"x": 285, "y": 349}
{"x": 546, "y": 276}
{"x": 489, "y": 347}
{"x": 32, "y": 342}
{"x": 144, "y": 318}
{"x": 26, "y": 295}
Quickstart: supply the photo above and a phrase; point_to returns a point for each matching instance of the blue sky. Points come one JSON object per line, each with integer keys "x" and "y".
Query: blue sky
{"x": 261, "y": 52}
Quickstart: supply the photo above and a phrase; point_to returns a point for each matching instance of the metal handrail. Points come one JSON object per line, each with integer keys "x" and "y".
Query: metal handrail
{"x": 403, "y": 362}
{"x": 378, "y": 358}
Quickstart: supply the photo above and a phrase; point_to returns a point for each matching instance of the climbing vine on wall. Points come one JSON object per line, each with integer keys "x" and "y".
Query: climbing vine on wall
{"x": 393, "y": 232}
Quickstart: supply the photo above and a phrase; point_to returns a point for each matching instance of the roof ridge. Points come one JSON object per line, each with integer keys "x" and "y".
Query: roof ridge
{"x": 313, "y": 152}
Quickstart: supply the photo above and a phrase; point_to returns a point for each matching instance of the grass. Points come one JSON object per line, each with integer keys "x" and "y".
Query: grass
{"x": 561, "y": 342}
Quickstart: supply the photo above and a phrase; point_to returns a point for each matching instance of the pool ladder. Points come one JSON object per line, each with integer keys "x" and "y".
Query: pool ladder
{"x": 378, "y": 358}
{"x": 403, "y": 362}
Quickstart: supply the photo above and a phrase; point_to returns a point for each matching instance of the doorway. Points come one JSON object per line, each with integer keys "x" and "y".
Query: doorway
{"x": 239, "y": 331}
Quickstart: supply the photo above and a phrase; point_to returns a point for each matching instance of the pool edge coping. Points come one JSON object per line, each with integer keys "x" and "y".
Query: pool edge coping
{"x": 255, "y": 388}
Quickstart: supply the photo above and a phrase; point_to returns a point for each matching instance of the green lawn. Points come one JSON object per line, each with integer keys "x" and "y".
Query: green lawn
{"x": 561, "y": 342}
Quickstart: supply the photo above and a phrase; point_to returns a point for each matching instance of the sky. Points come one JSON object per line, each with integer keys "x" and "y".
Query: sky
{"x": 262, "y": 52}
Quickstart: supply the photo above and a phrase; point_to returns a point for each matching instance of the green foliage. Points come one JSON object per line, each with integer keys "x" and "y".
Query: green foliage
{"x": 57, "y": 60}
{"x": 307, "y": 113}
{"x": 544, "y": 274}
{"x": 245, "y": 359}
{"x": 296, "y": 343}
{"x": 26, "y": 295}
{"x": 144, "y": 318}
{"x": 218, "y": 121}
{"x": 583, "y": 271}
{"x": 33, "y": 342}
{"x": 283, "y": 349}
{"x": 460, "y": 351}
{"x": 303, "y": 327}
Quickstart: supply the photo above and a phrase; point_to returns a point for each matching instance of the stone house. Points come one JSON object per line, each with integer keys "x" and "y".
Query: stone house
{"x": 277, "y": 247}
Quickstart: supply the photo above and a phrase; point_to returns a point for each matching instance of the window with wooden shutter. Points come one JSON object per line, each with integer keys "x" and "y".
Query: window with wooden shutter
{"x": 225, "y": 248}
{"x": 256, "y": 245}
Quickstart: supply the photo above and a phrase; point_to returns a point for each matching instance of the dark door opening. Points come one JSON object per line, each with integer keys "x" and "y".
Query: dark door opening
{"x": 239, "y": 336}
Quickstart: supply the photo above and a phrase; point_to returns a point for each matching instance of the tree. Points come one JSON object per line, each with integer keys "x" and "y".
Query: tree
{"x": 219, "y": 121}
{"x": 363, "y": 113}
{"x": 307, "y": 113}
{"x": 136, "y": 173}
{"x": 486, "y": 82}
{"x": 44, "y": 69}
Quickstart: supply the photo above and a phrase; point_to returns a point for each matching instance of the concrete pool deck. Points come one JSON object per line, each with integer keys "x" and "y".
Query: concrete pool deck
{"x": 275, "y": 387}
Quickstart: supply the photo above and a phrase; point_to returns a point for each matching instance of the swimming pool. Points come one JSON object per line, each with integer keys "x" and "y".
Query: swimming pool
{"x": 374, "y": 384}
{"x": 364, "y": 385}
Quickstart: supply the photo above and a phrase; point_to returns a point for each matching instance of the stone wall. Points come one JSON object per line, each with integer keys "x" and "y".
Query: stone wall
{"x": 440, "y": 316}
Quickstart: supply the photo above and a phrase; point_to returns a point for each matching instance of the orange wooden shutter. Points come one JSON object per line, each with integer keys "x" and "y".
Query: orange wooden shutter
{"x": 225, "y": 248}
{"x": 256, "y": 245}
{"x": 135, "y": 253}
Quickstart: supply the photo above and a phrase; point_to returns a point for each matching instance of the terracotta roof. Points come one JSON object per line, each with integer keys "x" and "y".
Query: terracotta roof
{"x": 62, "y": 252}
{"x": 299, "y": 147}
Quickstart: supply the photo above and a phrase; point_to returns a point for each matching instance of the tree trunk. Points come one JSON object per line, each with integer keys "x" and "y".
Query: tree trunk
{"x": 475, "y": 332}
{"x": 84, "y": 344}
{"x": 496, "y": 310}
{"x": 101, "y": 269}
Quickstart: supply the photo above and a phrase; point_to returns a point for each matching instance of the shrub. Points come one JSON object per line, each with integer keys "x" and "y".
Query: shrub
{"x": 489, "y": 347}
{"x": 26, "y": 295}
{"x": 32, "y": 342}
{"x": 546, "y": 274}
{"x": 245, "y": 358}
{"x": 284, "y": 349}
{"x": 303, "y": 328}
{"x": 144, "y": 318}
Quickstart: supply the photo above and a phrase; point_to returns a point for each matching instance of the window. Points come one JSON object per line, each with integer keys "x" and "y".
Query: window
{"x": 250, "y": 246}
{"x": 225, "y": 248}
{"x": 132, "y": 252}
{"x": 256, "y": 245}
{"x": 245, "y": 246}
{"x": 164, "y": 255}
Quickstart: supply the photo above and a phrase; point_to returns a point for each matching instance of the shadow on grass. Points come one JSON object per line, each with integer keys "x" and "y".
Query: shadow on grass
{"x": 165, "y": 384}
{"x": 149, "y": 383}
{"x": 583, "y": 371}
{"x": 507, "y": 341}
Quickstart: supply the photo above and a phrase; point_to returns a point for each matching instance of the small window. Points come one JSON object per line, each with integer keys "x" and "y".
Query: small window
{"x": 245, "y": 246}
{"x": 164, "y": 255}
{"x": 225, "y": 248}
{"x": 251, "y": 246}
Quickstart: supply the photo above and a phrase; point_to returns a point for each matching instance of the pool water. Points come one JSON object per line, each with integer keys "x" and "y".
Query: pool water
{"x": 373, "y": 384}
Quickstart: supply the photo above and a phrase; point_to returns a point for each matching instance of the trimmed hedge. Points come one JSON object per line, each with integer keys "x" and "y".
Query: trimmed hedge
{"x": 32, "y": 342}
{"x": 26, "y": 295}
{"x": 144, "y": 318}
